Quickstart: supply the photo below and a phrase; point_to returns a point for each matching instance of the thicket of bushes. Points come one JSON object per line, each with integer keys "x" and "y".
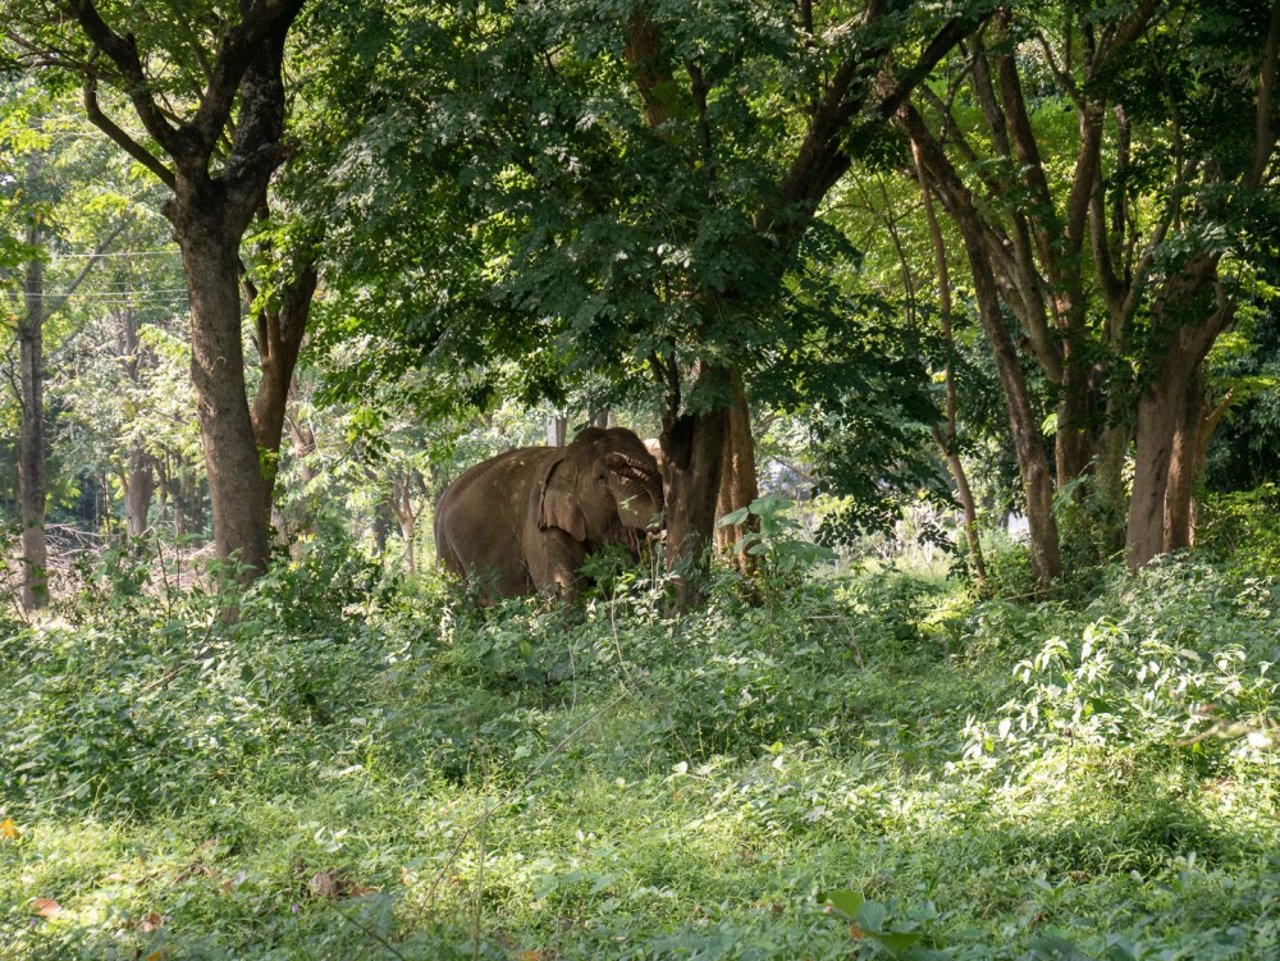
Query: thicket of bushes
{"x": 868, "y": 765}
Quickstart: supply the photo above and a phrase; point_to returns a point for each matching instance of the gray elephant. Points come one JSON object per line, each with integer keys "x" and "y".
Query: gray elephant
{"x": 523, "y": 522}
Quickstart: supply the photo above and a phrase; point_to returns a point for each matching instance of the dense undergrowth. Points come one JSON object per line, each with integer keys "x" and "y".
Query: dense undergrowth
{"x": 866, "y": 766}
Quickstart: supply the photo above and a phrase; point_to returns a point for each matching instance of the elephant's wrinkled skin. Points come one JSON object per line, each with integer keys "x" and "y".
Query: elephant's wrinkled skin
{"x": 523, "y": 522}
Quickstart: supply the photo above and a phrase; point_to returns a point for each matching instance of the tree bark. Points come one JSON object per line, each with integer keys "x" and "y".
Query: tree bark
{"x": 1033, "y": 464}
{"x": 1157, "y": 422}
{"x": 557, "y": 429}
{"x": 210, "y": 213}
{"x": 738, "y": 486}
{"x": 1189, "y": 312}
{"x": 139, "y": 488}
{"x": 692, "y": 455}
{"x": 237, "y": 480}
{"x": 1184, "y": 465}
{"x": 280, "y": 332}
{"x": 31, "y": 465}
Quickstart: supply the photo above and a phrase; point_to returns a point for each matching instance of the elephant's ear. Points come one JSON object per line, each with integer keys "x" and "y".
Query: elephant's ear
{"x": 558, "y": 504}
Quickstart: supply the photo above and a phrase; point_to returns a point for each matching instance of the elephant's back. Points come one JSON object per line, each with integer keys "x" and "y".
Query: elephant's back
{"x": 479, "y": 518}
{"x": 493, "y": 480}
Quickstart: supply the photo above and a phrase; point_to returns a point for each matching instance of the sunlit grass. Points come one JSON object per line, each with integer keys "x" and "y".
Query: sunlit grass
{"x": 431, "y": 782}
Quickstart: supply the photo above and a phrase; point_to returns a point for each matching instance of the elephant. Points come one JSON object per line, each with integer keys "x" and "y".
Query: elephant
{"x": 523, "y": 522}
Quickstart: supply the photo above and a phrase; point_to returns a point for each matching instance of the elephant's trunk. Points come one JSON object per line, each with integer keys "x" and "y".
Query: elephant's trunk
{"x": 638, "y": 489}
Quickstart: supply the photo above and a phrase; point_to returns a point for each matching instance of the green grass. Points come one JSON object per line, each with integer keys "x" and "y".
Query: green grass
{"x": 356, "y": 771}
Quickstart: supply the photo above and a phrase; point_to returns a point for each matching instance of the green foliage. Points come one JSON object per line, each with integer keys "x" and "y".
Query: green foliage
{"x": 1244, "y": 529}
{"x": 350, "y": 764}
{"x": 1008, "y": 563}
{"x": 775, "y": 539}
{"x": 1245, "y": 449}
{"x": 890, "y": 930}
{"x": 1181, "y": 674}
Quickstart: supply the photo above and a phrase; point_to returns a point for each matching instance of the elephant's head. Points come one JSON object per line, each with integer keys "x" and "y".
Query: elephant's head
{"x": 604, "y": 488}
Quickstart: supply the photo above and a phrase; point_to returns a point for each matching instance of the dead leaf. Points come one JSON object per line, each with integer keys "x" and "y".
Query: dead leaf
{"x": 856, "y": 932}
{"x": 9, "y": 831}
{"x": 233, "y": 884}
{"x": 196, "y": 869}
{"x": 324, "y": 885}
{"x": 532, "y": 955}
{"x": 155, "y": 955}
{"x": 151, "y": 922}
{"x": 335, "y": 885}
{"x": 46, "y": 907}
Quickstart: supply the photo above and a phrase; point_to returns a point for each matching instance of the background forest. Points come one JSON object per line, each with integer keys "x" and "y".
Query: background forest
{"x": 955, "y": 325}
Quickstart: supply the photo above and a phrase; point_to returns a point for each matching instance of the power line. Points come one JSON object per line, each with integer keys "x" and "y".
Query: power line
{"x": 143, "y": 291}
{"x": 120, "y": 253}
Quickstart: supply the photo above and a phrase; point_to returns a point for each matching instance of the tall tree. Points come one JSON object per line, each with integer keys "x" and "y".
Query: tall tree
{"x": 1226, "y": 121}
{"x": 205, "y": 82}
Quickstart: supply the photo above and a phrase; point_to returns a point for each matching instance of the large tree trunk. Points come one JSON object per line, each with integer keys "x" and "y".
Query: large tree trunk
{"x": 31, "y": 473}
{"x": 1168, "y": 429}
{"x": 1158, "y": 416}
{"x": 692, "y": 456}
{"x": 210, "y": 213}
{"x": 1172, "y": 440}
{"x": 738, "y": 486}
{"x": 1184, "y": 465}
{"x": 237, "y": 485}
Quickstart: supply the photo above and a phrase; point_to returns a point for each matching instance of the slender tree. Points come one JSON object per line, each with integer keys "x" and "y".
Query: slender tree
{"x": 44, "y": 211}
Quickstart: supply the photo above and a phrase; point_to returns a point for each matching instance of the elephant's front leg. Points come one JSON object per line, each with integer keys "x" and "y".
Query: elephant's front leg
{"x": 554, "y": 561}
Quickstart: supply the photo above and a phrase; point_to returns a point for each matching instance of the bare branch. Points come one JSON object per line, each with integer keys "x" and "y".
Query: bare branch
{"x": 123, "y": 52}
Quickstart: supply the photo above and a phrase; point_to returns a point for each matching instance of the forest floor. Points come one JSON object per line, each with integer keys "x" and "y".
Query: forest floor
{"x": 872, "y": 765}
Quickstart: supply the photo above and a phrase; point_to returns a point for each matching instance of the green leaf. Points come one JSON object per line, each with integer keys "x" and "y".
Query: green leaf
{"x": 1054, "y": 948}
{"x": 896, "y": 941}
{"x": 846, "y": 901}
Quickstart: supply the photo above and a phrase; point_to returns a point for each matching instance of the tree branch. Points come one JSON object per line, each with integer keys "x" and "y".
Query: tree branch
{"x": 123, "y": 52}
{"x": 1264, "y": 137}
{"x": 61, "y": 300}
{"x": 130, "y": 146}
